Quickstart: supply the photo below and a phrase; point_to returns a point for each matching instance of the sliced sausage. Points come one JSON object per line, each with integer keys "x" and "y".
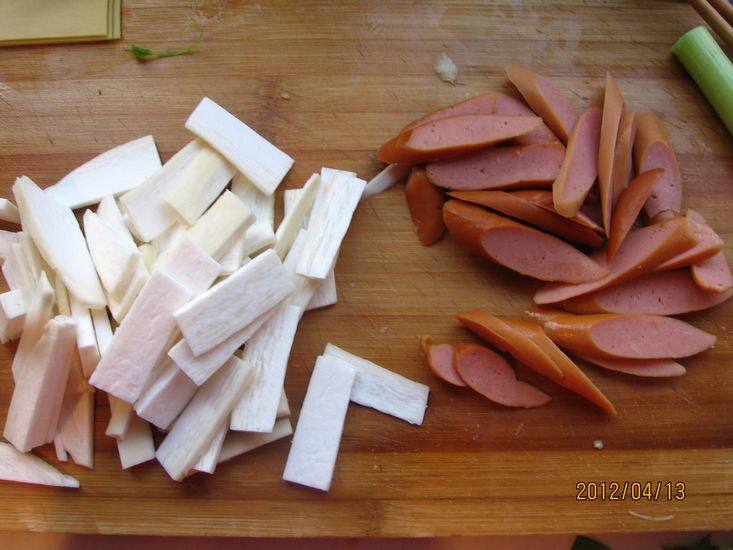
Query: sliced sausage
{"x": 545, "y": 99}
{"x": 652, "y": 150}
{"x": 488, "y": 373}
{"x": 613, "y": 108}
{"x": 517, "y": 246}
{"x": 449, "y": 137}
{"x": 647, "y": 368}
{"x": 579, "y": 169}
{"x": 629, "y": 206}
{"x": 441, "y": 361}
{"x": 516, "y": 206}
{"x": 482, "y": 104}
{"x": 640, "y": 253}
{"x": 425, "y": 203}
{"x": 713, "y": 274}
{"x": 508, "y": 339}
{"x": 623, "y": 165}
{"x": 544, "y": 200}
{"x": 660, "y": 293}
{"x": 627, "y": 336}
{"x": 574, "y": 379}
{"x": 708, "y": 246}
{"x": 507, "y": 105}
{"x": 500, "y": 168}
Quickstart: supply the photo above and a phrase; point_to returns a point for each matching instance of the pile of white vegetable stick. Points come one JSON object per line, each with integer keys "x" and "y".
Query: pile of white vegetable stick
{"x": 179, "y": 298}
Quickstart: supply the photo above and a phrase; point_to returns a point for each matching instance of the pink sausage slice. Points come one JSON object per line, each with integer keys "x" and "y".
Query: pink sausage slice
{"x": 482, "y": 104}
{"x": 454, "y": 136}
{"x": 623, "y": 165}
{"x": 628, "y": 336}
{"x": 713, "y": 274}
{"x": 652, "y": 150}
{"x": 580, "y": 167}
{"x": 640, "y": 253}
{"x": 545, "y": 99}
{"x": 507, "y": 105}
{"x": 441, "y": 361}
{"x": 517, "y": 246}
{"x": 543, "y": 199}
{"x": 647, "y": 368}
{"x": 665, "y": 293}
{"x": 613, "y": 108}
{"x": 710, "y": 244}
{"x": 487, "y": 373}
{"x": 500, "y": 168}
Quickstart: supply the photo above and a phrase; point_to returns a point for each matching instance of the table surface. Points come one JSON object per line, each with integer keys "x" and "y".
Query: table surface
{"x": 355, "y": 73}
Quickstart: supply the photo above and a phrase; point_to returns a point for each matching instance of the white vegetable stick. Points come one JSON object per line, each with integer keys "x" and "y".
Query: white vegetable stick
{"x": 62, "y": 297}
{"x": 86, "y": 340}
{"x": 234, "y": 303}
{"x": 384, "y": 390}
{"x": 102, "y": 329}
{"x": 120, "y": 416}
{"x": 198, "y": 185}
{"x": 164, "y": 399}
{"x": 137, "y": 445}
{"x": 12, "y": 315}
{"x": 9, "y": 212}
{"x": 232, "y": 259}
{"x": 262, "y": 205}
{"x": 199, "y": 369}
{"x": 57, "y": 235}
{"x": 33, "y": 258}
{"x": 259, "y": 160}
{"x": 6, "y": 239}
{"x": 188, "y": 264}
{"x": 326, "y": 293}
{"x": 392, "y": 174}
{"x": 38, "y": 314}
{"x": 293, "y": 220}
{"x": 283, "y": 408}
{"x": 75, "y": 429}
{"x": 208, "y": 461}
{"x": 111, "y": 173}
{"x": 39, "y": 389}
{"x": 329, "y": 222}
{"x": 197, "y": 426}
{"x": 268, "y": 352}
{"x": 120, "y": 308}
{"x": 238, "y": 443}
{"x": 328, "y": 173}
{"x": 255, "y": 238}
{"x": 142, "y": 339}
{"x": 290, "y": 199}
{"x": 15, "y": 270}
{"x": 149, "y": 252}
{"x": 305, "y": 287}
{"x": 169, "y": 237}
{"x": 114, "y": 259}
{"x": 109, "y": 212}
{"x": 312, "y": 456}
{"x": 148, "y": 215}
{"x": 28, "y": 468}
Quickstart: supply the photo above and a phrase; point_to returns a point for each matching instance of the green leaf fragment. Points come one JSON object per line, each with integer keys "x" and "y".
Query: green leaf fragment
{"x": 146, "y": 53}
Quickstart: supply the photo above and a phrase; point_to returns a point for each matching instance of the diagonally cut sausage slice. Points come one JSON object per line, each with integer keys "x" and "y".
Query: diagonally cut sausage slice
{"x": 516, "y": 246}
{"x": 659, "y": 293}
{"x": 488, "y": 373}
{"x": 441, "y": 361}
{"x": 629, "y": 206}
{"x": 647, "y": 368}
{"x": 574, "y": 379}
{"x": 516, "y": 206}
{"x": 712, "y": 274}
{"x": 580, "y": 167}
{"x": 545, "y": 99}
{"x": 482, "y": 104}
{"x": 623, "y": 154}
{"x": 640, "y": 253}
{"x": 627, "y": 336}
{"x": 543, "y": 199}
{"x": 535, "y": 165}
{"x": 613, "y": 108}
{"x": 425, "y": 203}
{"x": 710, "y": 244}
{"x": 449, "y": 137}
{"x": 507, "y": 105}
{"x": 652, "y": 150}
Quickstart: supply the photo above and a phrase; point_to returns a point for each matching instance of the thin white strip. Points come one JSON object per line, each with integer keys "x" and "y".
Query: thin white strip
{"x": 238, "y": 443}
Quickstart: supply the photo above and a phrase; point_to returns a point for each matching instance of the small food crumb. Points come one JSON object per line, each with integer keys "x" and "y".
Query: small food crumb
{"x": 446, "y": 70}
{"x": 285, "y": 95}
{"x": 383, "y": 330}
{"x": 598, "y": 444}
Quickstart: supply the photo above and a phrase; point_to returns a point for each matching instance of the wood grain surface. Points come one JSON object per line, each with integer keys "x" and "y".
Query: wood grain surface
{"x": 355, "y": 73}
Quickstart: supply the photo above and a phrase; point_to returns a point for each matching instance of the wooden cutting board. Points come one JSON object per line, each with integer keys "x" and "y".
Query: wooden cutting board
{"x": 355, "y": 73}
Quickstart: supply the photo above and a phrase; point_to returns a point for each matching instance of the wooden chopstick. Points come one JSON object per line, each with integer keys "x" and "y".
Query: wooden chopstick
{"x": 714, "y": 18}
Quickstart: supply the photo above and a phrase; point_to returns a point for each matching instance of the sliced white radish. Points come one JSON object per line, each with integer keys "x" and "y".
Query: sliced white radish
{"x": 32, "y": 255}
{"x": 39, "y": 313}
{"x": 234, "y": 303}
{"x": 102, "y": 329}
{"x": 18, "y": 274}
{"x": 149, "y": 253}
{"x": 86, "y": 340}
{"x": 328, "y": 173}
{"x": 326, "y": 293}
{"x": 295, "y": 215}
{"x": 198, "y": 185}
{"x": 317, "y": 438}
{"x": 120, "y": 308}
{"x": 57, "y": 235}
{"x": 208, "y": 461}
{"x": 75, "y": 429}
{"x": 238, "y": 443}
{"x": 305, "y": 287}
{"x": 188, "y": 264}
{"x": 199, "y": 423}
{"x": 392, "y": 174}
{"x": 262, "y": 205}
{"x": 39, "y": 388}
{"x": 165, "y": 398}
{"x": 62, "y": 297}
{"x": 169, "y": 237}
{"x": 120, "y": 416}
{"x": 142, "y": 339}
{"x": 268, "y": 352}
{"x": 256, "y": 158}
{"x": 232, "y": 259}
{"x": 109, "y": 212}
{"x": 148, "y": 214}
{"x": 12, "y": 315}
{"x": 384, "y": 390}
{"x": 137, "y": 446}
{"x": 290, "y": 199}
{"x": 283, "y": 408}
{"x": 9, "y": 212}
{"x": 6, "y": 239}
{"x": 28, "y": 468}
